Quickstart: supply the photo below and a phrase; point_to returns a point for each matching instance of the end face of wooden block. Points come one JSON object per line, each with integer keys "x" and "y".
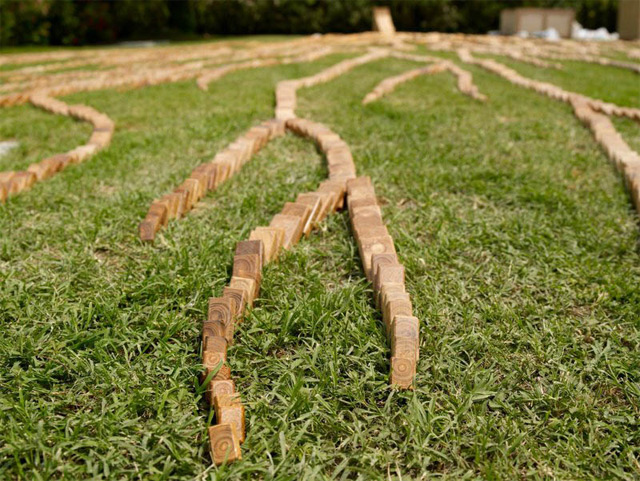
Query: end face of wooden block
{"x": 218, "y": 387}
{"x": 229, "y": 410}
{"x": 248, "y": 265}
{"x": 224, "y": 444}
{"x": 403, "y": 372}
{"x": 255, "y": 246}
{"x": 237, "y": 297}
{"x": 249, "y": 286}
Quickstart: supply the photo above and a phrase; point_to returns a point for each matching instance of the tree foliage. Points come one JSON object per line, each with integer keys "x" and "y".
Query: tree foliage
{"x": 80, "y": 22}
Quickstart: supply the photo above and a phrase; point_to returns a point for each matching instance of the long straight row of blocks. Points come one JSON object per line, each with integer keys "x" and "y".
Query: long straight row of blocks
{"x": 295, "y": 220}
{"x": 207, "y": 177}
{"x": 12, "y": 182}
{"x": 387, "y": 274}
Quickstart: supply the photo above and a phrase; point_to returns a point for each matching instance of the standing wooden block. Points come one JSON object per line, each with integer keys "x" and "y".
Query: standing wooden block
{"x": 382, "y": 259}
{"x": 148, "y": 228}
{"x": 403, "y": 372}
{"x": 251, "y": 247}
{"x": 368, "y": 247}
{"x": 396, "y": 304}
{"x": 229, "y": 410}
{"x": 221, "y": 309}
{"x": 192, "y": 186}
{"x": 237, "y": 297}
{"x": 212, "y": 329}
{"x": 387, "y": 290}
{"x": 3, "y": 192}
{"x": 217, "y": 387}
{"x": 182, "y": 197}
{"x": 355, "y": 204}
{"x": 249, "y": 286}
{"x": 215, "y": 344}
{"x": 292, "y": 226}
{"x": 360, "y": 187}
{"x": 224, "y": 444}
{"x": 248, "y": 265}
{"x": 405, "y": 335}
{"x": 367, "y": 216}
{"x": 393, "y": 273}
{"x": 214, "y": 362}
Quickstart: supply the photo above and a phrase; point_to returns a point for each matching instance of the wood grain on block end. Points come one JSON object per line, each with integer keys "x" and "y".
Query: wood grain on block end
{"x": 224, "y": 444}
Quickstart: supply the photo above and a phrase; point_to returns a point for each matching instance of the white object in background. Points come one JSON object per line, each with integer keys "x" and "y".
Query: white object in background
{"x": 580, "y": 33}
{"x": 6, "y": 146}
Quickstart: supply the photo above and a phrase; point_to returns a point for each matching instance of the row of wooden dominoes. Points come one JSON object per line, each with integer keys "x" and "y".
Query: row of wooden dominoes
{"x": 12, "y": 182}
{"x": 389, "y": 84}
{"x": 264, "y": 245}
{"x": 548, "y": 89}
{"x": 626, "y": 160}
{"x": 307, "y": 55}
{"x": 465, "y": 80}
{"x": 382, "y": 268}
{"x": 286, "y": 90}
{"x": 587, "y": 110}
{"x": 208, "y": 176}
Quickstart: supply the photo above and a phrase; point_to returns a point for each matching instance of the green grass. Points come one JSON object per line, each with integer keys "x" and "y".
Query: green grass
{"x": 522, "y": 257}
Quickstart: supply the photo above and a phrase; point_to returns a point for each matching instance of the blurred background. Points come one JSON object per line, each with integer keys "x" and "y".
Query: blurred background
{"x": 87, "y": 22}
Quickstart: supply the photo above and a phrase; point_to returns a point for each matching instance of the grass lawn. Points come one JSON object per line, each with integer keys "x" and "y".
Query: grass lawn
{"x": 522, "y": 256}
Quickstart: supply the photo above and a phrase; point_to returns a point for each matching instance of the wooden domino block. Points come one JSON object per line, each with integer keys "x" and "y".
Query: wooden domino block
{"x": 385, "y": 272}
{"x": 212, "y": 329}
{"x": 159, "y": 209}
{"x": 229, "y": 409}
{"x": 328, "y": 200}
{"x": 221, "y": 309}
{"x": 360, "y": 187}
{"x": 387, "y": 290}
{"x": 217, "y": 387}
{"x": 272, "y": 239}
{"x": 292, "y": 226}
{"x": 379, "y": 245}
{"x": 338, "y": 188}
{"x": 249, "y": 266}
{"x": 298, "y": 209}
{"x": 249, "y": 286}
{"x": 172, "y": 202}
{"x": 405, "y": 335}
{"x": 148, "y": 228}
{"x": 215, "y": 362}
{"x": 395, "y": 303}
{"x": 39, "y": 170}
{"x": 367, "y": 216}
{"x": 224, "y": 444}
{"x": 238, "y": 298}
{"x": 356, "y": 203}
{"x": 403, "y": 372}
{"x": 3, "y": 192}
{"x": 215, "y": 344}
{"x": 314, "y": 201}
{"x": 255, "y": 246}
